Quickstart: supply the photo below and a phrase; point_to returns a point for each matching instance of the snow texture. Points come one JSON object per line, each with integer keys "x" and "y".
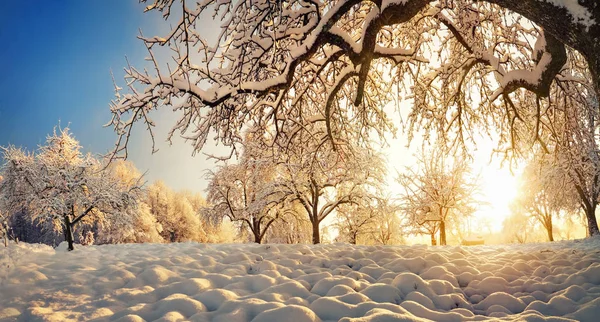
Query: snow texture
{"x": 338, "y": 282}
{"x": 579, "y": 13}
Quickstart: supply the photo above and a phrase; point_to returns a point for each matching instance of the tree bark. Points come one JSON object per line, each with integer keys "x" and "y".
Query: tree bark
{"x": 592, "y": 222}
{"x": 433, "y": 241}
{"x": 549, "y": 229}
{"x": 353, "y": 238}
{"x": 316, "y": 232}
{"x": 442, "y": 230}
{"x": 69, "y": 232}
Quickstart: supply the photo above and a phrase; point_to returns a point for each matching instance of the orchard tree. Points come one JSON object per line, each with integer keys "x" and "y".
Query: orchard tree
{"x": 244, "y": 192}
{"x": 354, "y": 221}
{"x": 518, "y": 228}
{"x": 61, "y": 185}
{"x": 440, "y": 188}
{"x": 322, "y": 179}
{"x": 390, "y": 228}
{"x": 373, "y": 222}
{"x": 292, "y": 227}
{"x": 177, "y": 213}
{"x": 141, "y": 227}
{"x": 575, "y": 125}
{"x": 544, "y": 192}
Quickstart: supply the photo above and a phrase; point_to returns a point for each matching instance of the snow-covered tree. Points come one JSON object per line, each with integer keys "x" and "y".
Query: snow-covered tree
{"x": 322, "y": 179}
{"x": 544, "y": 192}
{"x": 518, "y": 228}
{"x": 60, "y": 185}
{"x": 272, "y": 61}
{"x": 373, "y": 222}
{"x": 244, "y": 192}
{"x": 142, "y": 226}
{"x": 437, "y": 189}
{"x": 388, "y": 230}
{"x": 292, "y": 227}
{"x": 355, "y": 221}
{"x": 287, "y": 66}
{"x": 178, "y": 213}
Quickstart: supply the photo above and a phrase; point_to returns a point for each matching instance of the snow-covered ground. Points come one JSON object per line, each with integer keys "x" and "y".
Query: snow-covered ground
{"x": 189, "y": 281}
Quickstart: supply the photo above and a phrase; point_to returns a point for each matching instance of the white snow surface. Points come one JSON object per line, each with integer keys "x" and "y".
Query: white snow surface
{"x": 336, "y": 282}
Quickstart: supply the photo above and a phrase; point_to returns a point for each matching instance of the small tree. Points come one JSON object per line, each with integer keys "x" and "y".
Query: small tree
{"x": 438, "y": 189}
{"x": 518, "y": 228}
{"x": 245, "y": 192}
{"x": 544, "y": 192}
{"x": 322, "y": 179}
{"x": 61, "y": 185}
{"x": 355, "y": 221}
{"x": 177, "y": 213}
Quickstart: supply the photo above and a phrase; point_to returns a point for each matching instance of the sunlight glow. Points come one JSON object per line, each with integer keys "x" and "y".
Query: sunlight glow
{"x": 499, "y": 189}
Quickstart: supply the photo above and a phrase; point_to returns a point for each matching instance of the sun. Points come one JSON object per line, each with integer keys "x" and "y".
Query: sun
{"x": 499, "y": 189}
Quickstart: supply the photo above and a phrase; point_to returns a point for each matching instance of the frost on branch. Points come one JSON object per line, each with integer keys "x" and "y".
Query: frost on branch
{"x": 60, "y": 186}
{"x": 438, "y": 191}
{"x": 287, "y": 64}
{"x": 244, "y": 193}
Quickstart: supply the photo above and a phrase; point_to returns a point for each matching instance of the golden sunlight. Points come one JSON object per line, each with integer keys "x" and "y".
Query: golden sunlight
{"x": 499, "y": 188}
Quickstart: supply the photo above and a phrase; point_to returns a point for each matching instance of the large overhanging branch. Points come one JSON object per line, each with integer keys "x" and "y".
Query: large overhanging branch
{"x": 254, "y": 70}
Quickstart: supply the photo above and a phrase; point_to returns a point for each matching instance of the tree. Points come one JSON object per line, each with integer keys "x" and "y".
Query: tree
{"x": 390, "y": 228}
{"x": 322, "y": 179}
{"x": 61, "y": 185}
{"x": 373, "y": 222}
{"x": 178, "y": 213}
{"x": 544, "y": 192}
{"x": 440, "y": 188}
{"x": 463, "y": 62}
{"x": 272, "y": 59}
{"x": 354, "y": 221}
{"x": 244, "y": 192}
{"x": 518, "y": 228}
{"x": 141, "y": 227}
{"x": 567, "y": 126}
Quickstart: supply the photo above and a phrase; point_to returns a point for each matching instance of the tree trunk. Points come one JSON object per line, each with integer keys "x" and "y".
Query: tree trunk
{"x": 549, "y": 229}
{"x": 353, "y": 238}
{"x": 69, "y": 232}
{"x": 257, "y": 238}
{"x": 316, "y": 232}
{"x": 433, "y": 241}
{"x": 592, "y": 222}
{"x": 442, "y": 232}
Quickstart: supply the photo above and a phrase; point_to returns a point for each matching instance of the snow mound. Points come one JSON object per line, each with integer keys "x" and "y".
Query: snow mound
{"x": 241, "y": 283}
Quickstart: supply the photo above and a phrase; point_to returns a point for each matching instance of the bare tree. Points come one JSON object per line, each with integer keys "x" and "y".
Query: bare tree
{"x": 438, "y": 189}
{"x": 61, "y": 185}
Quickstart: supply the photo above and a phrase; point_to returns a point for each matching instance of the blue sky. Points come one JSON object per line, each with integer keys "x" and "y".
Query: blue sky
{"x": 56, "y": 59}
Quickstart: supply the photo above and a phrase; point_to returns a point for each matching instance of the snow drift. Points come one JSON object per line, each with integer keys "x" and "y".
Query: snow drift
{"x": 339, "y": 282}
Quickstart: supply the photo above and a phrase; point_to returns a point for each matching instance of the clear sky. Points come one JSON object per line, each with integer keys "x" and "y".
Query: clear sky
{"x": 56, "y": 59}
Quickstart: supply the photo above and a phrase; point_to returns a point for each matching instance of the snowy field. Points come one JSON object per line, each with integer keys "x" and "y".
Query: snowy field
{"x": 179, "y": 282}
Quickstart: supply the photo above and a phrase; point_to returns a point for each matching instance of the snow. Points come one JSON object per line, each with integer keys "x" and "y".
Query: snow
{"x": 247, "y": 282}
{"x": 579, "y": 13}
